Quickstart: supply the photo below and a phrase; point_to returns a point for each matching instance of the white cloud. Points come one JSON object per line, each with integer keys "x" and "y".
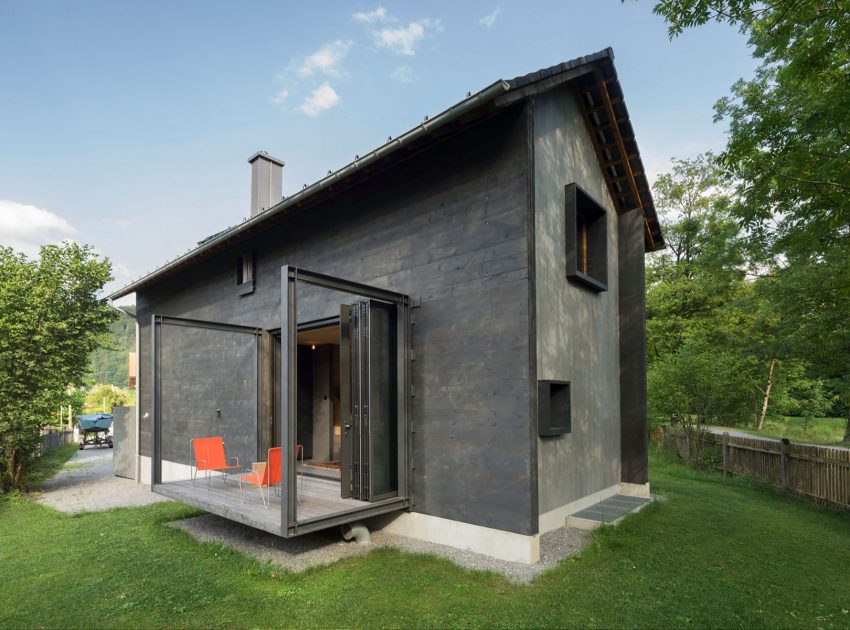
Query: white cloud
{"x": 404, "y": 39}
{"x": 322, "y": 99}
{"x": 26, "y": 228}
{"x": 326, "y": 60}
{"x": 403, "y": 74}
{"x": 280, "y": 98}
{"x": 378, "y": 15}
{"x": 490, "y": 19}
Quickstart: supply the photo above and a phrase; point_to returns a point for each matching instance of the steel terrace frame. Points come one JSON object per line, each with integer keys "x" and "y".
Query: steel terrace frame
{"x": 290, "y": 276}
{"x": 157, "y": 321}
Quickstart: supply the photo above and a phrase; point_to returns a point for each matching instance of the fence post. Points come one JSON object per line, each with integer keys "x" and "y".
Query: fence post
{"x": 783, "y": 463}
{"x": 725, "y": 453}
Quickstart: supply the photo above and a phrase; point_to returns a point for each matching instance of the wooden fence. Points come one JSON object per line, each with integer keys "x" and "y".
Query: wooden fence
{"x": 819, "y": 472}
{"x": 54, "y": 438}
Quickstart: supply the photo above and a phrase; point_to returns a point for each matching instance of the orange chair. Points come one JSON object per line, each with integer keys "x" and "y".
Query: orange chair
{"x": 209, "y": 457}
{"x": 272, "y": 476}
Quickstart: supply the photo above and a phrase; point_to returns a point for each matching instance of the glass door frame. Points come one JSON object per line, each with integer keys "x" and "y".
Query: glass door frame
{"x": 290, "y": 277}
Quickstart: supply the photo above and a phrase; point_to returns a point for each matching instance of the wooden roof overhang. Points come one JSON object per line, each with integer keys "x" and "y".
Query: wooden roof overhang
{"x": 613, "y": 138}
{"x": 595, "y": 81}
{"x": 605, "y": 114}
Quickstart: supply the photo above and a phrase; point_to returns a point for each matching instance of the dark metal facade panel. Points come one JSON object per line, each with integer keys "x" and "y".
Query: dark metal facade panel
{"x": 124, "y": 442}
{"x": 448, "y": 227}
{"x": 576, "y": 328}
{"x": 207, "y": 386}
{"x": 634, "y": 436}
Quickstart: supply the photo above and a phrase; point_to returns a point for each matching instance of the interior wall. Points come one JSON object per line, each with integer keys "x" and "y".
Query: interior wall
{"x": 335, "y": 405}
{"x": 322, "y": 412}
{"x": 306, "y": 407}
{"x": 577, "y": 329}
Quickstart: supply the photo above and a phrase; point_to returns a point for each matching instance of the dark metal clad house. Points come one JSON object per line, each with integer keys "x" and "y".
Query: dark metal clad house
{"x": 447, "y": 333}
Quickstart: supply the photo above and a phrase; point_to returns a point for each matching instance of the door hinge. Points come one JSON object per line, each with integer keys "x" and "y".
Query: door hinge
{"x": 412, "y": 390}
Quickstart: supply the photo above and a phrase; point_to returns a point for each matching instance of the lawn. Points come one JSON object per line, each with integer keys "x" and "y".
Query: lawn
{"x": 717, "y": 553}
{"x": 810, "y": 430}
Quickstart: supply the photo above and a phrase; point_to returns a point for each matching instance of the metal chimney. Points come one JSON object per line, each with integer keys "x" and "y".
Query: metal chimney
{"x": 266, "y": 181}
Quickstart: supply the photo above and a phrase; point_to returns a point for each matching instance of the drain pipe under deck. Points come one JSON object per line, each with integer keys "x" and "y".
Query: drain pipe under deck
{"x": 357, "y": 531}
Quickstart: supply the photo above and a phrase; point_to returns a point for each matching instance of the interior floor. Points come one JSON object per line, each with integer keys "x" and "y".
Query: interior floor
{"x": 327, "y": 470}
{"x": 316, "y": 497}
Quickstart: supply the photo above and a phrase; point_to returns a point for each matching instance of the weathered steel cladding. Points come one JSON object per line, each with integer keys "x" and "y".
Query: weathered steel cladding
{"x": 196, "y": 394}
{"x": 448, "y": 226}
{"x": 576, "y": 328}
{"x": 634, "y": 437}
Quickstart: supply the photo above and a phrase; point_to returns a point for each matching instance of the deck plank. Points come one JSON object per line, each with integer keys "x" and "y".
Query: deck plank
{"x": 317, "y": 497}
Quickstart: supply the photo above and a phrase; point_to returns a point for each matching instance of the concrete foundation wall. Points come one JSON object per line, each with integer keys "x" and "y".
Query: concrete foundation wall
{"x": 124, "y": 442}
{"x": 577, "y": 329}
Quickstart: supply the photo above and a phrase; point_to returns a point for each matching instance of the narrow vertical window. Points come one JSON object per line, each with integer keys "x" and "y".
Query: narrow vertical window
{"x": 586, "y": 240}
{"x": 245, "y": 271}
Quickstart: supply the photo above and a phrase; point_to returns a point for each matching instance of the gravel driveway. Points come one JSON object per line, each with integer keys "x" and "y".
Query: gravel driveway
{"x": 86, "y": 484}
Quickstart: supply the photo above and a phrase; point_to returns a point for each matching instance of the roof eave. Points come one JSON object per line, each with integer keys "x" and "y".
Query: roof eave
{"x": 427, "y": 127}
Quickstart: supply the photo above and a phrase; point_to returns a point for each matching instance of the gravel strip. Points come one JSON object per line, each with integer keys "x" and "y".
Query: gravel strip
{"x": 325, "y": 547}
{"x": 86, "y": 484}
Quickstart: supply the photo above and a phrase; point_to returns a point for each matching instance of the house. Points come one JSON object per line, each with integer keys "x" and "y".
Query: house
{"x": 131, "y": 370}
{"x": 447, "y": 333}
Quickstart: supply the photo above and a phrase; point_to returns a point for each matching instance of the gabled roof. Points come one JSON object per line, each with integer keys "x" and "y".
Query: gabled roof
{"x": 605, "y": 113}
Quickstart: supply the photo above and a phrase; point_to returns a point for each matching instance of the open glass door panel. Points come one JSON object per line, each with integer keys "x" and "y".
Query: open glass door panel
{"x": 343, "y": 397}
{"x": 369, "y": 447}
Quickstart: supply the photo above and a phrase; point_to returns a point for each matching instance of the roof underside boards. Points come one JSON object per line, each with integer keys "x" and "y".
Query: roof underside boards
{"x": 605, "y": 114}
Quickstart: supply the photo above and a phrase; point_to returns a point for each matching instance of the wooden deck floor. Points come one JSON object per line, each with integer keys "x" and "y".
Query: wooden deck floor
{"x": 317, "y": 497}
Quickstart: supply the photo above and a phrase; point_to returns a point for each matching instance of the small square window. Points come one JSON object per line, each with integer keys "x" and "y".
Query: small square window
{"x": 554, "y": 408}
{"x": 245, "y": 271}
{"x": 586, "y": 239}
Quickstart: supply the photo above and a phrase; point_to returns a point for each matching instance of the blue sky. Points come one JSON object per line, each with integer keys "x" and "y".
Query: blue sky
{"x": 127, "y": 125}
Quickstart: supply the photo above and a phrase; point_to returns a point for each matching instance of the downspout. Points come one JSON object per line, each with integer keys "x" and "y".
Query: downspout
{"x": 356, "y": 531}
{"x": 138, "y": 474}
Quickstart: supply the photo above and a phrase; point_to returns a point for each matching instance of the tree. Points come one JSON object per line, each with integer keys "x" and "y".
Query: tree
{"x": 50, "y": 320}
{"x": 104, "y": 397}
{"x": 690, "y": 283}
{"x": 698, "y": 384}
{"x": 789, "y": 138}
{"x": 109, "y": 363}
{"x": 695, "y": 289}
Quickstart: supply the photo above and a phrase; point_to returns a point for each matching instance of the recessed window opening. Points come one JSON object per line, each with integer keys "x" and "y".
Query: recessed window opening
{"x": 554, "y": 408}
{"x": 245, "y": 274}
{"x": 586, "y": 240}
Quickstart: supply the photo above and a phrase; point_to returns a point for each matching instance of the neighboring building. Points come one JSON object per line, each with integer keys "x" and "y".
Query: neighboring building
{"x": 451, "y": 326}
{"x": 131, "y": 370}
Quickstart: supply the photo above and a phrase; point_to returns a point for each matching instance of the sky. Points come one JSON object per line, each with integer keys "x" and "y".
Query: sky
{"x": 127, "y": 125}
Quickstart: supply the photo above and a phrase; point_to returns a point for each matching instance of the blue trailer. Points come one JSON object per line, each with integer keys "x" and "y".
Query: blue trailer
{"x": 95, "y": 428}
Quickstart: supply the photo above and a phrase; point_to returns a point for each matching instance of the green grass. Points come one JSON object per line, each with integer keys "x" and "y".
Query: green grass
{"x": 811, "y": 430}
{"x": 48, "y": 465}
{"x": 717, "y": 553}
